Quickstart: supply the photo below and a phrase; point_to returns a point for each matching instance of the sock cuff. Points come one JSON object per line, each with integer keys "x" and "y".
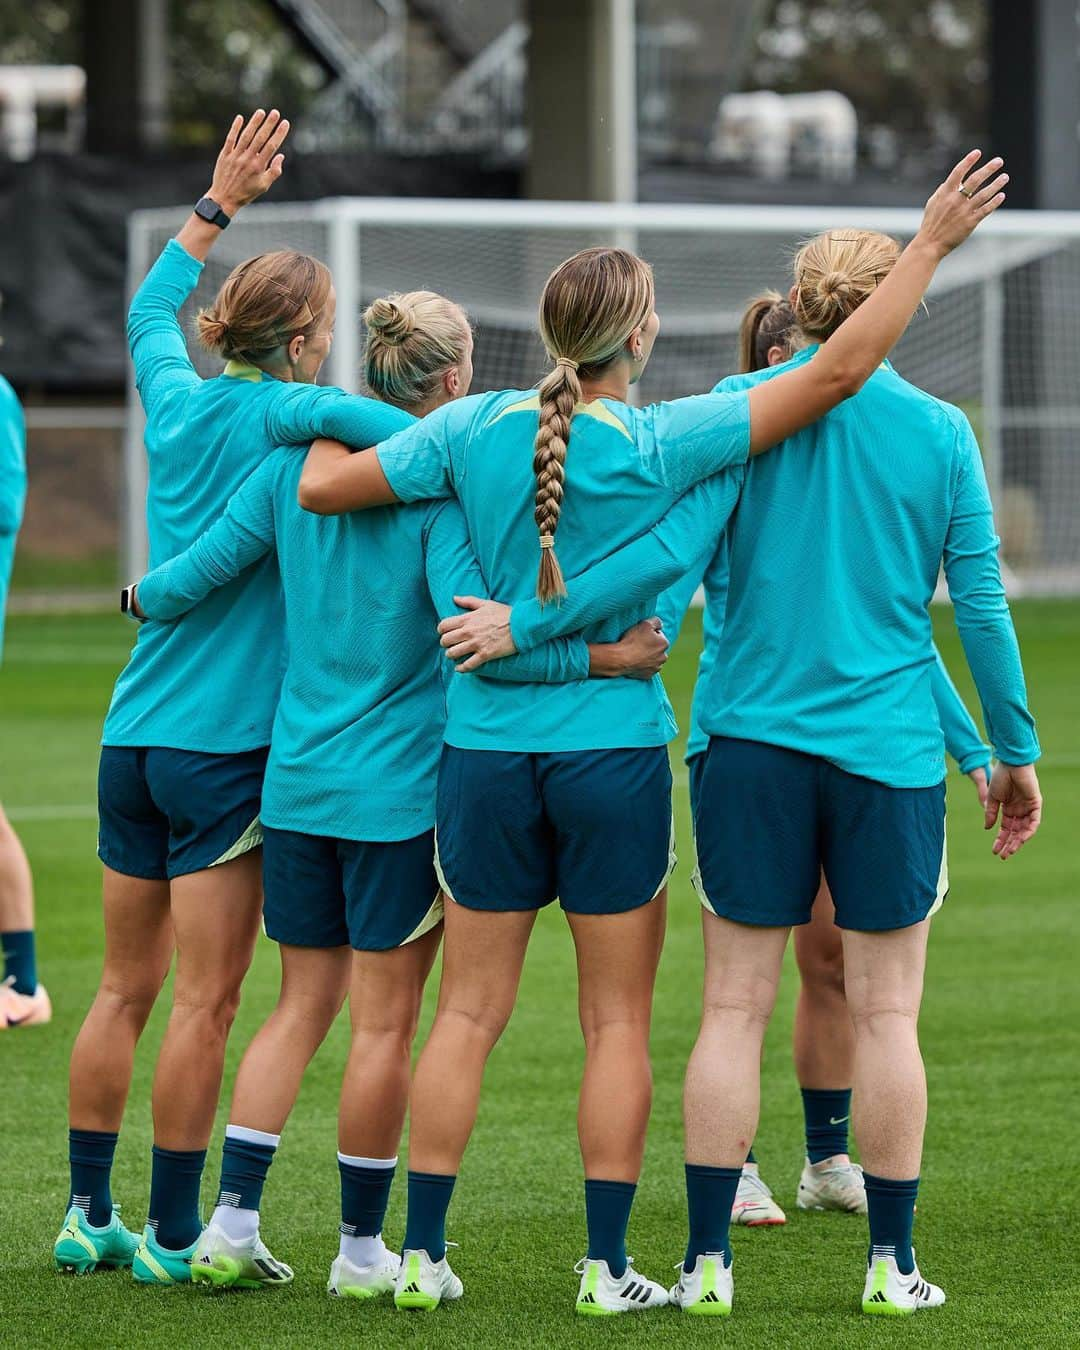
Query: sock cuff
{"x": 617, "y": 1187}
{"x": 92, "y": 1136}
{"x": 822, "y": 1094}
{"x": 719, "y": 1173}
{"x": 195, "y": 1156}
{"x": 243, "y": 1134}
{"x": 905, "y": 1189}
{"x": 433, "y": 1178}
{"x": 371, "y": 1164}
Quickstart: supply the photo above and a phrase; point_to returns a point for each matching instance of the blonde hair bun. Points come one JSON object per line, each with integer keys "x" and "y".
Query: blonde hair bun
{"x": 213, "y": 332}
{"x": 835, "y": 272}
{"x": 391, "y": 319}
{"x": 837, "y": 287}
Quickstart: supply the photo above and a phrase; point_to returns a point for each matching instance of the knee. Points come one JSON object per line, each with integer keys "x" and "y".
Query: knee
{"x": 214, "y": 1006}
{"x": 628, "y": 1025}
{"x": 744, "y": 1007}
{"x": 885, "y": 1015}
{"x": 131, "y": 1004}
{"x": 822, "y": 973}
{"x": 479, "y": 1022}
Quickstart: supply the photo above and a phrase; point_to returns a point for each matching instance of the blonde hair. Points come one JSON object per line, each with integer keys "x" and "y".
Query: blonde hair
{"x": 835, "y": 272}
{"x": 769, "y": 322}
{"x": 413, "y": 339}
{"x": 590, "y": 305}
{"x": 265, "y": 302}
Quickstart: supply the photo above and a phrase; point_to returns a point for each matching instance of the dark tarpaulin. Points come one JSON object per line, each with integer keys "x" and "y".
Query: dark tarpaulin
{"x": 64, "y": 244}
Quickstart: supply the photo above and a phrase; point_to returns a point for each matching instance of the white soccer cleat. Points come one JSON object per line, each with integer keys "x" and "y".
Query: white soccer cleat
{"x": 602, "y": 1295}
{"x": 754, "y": 1205}
{"x": 23, "y": 1010}
{"x": 349, "y": 1281}
{"x": 422, "y": 1284}
{"x": 706, "y": 1291}
{"x": 834, "y": 1183}
{"x": 887, "y": 1293}
{"x": 230, "y": 1264}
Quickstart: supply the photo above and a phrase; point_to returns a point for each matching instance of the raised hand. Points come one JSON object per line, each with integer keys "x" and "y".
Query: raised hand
{"x": 250, "y": 161}
{"x": 966, "y": 197}
{"x": 1014, "y": 791}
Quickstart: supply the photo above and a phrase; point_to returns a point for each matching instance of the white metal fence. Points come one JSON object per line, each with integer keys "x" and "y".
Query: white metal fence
{"x": 1001, "y": 335}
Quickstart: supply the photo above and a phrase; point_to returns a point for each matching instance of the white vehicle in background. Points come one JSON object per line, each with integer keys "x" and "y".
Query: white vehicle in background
{"x": 769, "y": 131}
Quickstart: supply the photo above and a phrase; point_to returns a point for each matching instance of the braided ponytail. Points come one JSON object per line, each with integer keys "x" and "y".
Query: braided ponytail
{"x": 590, "y": 306}
{"x": 559, "y": 394}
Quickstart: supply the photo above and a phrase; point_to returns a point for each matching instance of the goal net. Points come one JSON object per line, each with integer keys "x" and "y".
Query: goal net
{"x": 1000, "y": 335}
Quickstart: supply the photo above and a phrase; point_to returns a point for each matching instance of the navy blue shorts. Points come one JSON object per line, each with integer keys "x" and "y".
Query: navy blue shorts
{"x": 591, "y": 827}
{"x": 166, "y": 813}
{"x": 768, "y": 821}
{"x": 324, "y": 892}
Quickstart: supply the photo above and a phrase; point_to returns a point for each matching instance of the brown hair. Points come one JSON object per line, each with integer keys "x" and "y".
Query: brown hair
{"x": 769, "y": 322}
{"x": 835, "y": 272}
{"x": 590, "y": 305}
{"x": 413, "y": 339}
{"x": 265, "y": 302}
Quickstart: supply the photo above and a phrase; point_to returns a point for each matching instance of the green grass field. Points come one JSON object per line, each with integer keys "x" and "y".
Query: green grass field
{"x": 998, "y": 1223}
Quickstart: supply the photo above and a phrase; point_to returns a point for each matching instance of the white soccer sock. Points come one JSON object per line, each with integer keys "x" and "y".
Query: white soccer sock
{"x": 237, "y": 1224}
{"x": 362, "y": 1251}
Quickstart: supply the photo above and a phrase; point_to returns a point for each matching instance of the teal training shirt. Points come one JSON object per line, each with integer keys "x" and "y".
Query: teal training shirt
{"x": 359, "y": 727}
{"x": 834, "y": 553}
{"x": 12, "y": 486}
{"x": 624, "y": 467}
{"x": 209, "y": 682}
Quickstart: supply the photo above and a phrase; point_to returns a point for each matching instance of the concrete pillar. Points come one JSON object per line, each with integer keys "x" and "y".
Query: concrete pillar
{"x": 1035, "y": 99}
{"x": 125, "y": 54}
{"x": 582, "y": 102}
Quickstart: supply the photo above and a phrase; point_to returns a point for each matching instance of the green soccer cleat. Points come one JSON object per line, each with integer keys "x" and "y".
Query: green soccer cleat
{"x": 154, "y": 1264}
{"x": 422, "y": 1284}
{"x": 706, "y": 1291}
{"x": 602, "y": 1294}
{"x": 81, "y": 1248}
{"x": 225, "y": 1264}
{"x": 887, "y": 1293}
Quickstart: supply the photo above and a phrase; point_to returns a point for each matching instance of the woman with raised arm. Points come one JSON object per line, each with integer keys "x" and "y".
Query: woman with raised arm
{"x": 348, "y": 807}
{"x": 184, "y": 743}
{"x": 565, "y": 791}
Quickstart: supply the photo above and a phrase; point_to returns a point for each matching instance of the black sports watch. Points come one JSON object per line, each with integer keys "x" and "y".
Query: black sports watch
{"x": 127, "y": 595}
{"x": 207, "y": 209}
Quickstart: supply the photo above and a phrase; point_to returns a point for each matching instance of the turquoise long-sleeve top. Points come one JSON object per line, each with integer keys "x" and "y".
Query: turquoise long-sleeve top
{"x": 359, "y": 726}
{"x": 625, "y": 466}
{"x": 12, "y": 486}
{"x": 834, "y": 556}
{"x": 962, "y": 739}
{"x": 210, "y": 681}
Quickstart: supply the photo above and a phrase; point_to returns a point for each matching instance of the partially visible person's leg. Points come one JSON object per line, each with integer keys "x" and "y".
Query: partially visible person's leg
{"x": 824, "y": 1051}
{"x": 17, "y": 936}
{"x": 216, "y": 919}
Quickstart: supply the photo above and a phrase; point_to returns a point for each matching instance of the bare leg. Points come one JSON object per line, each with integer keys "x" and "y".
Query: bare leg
{"x": 138, "y": 949}
{"x": 384, "y": 1003}
{"x": 723, "y": 1079}
{"x": 16, "y": 883}
{"x": 476, "y": 999}
{"x": 314, "y": 981}
{"x": 884, "y": 979}
{"x": 216, "y": 919}
{"x": 824, "y": 1038}
{"x": 617, "y": 958}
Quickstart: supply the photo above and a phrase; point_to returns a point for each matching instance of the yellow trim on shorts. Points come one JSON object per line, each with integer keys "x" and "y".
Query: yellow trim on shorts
{"x": 943, "y": 878}
{"x": 251, "y": 838}
{"x": 433, "y": 917}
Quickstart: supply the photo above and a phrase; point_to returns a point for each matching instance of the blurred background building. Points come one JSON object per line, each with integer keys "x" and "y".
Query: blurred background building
{"x": 107, "y": 106}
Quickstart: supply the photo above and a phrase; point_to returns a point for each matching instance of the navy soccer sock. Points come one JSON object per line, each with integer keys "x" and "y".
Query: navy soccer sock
{"x": 429, "y": 1199}
{"x": 827, "y": 1114}
{"x": 710, "y": 1194}
{"x": 750, "y": 1156}
{"x": 365, "y": 1193}
{"x": 607, "y": 1216}
{"x": 175, "y": 1177}
{"x": 90, "y": 1154}
{"x": 20, "y": 959}
{"x": 891, "y": 1210}
{"x": 245, "y": 1162}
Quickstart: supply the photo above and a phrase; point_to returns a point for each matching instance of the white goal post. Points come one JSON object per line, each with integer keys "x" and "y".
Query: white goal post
{"x": 1000, "y": 335}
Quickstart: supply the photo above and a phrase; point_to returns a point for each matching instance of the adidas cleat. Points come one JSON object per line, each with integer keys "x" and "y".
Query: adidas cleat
{"x": 81, "y": 1248}
{"x": 603, "y": 1295}
{"x": 154, "y": 1264}
{"x": 706, "y": 1291}
{"x": 349, "y": 1281}
{"x": 835, "y": 1183}
{"x": 422, "y": 1284}
{"x": 887, "y": 1293}
{"x": 754, "y": 1205}
{"x": 227, "y": 1264}
{"x": 23, "y": 1010}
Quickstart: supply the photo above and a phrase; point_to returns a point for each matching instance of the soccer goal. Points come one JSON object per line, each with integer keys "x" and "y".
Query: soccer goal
{"x": 1000, "y": 335}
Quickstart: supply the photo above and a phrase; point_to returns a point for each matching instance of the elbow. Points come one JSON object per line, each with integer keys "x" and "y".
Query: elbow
{"x": 848, "y": 379}
{"x": 314, "y": 496}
